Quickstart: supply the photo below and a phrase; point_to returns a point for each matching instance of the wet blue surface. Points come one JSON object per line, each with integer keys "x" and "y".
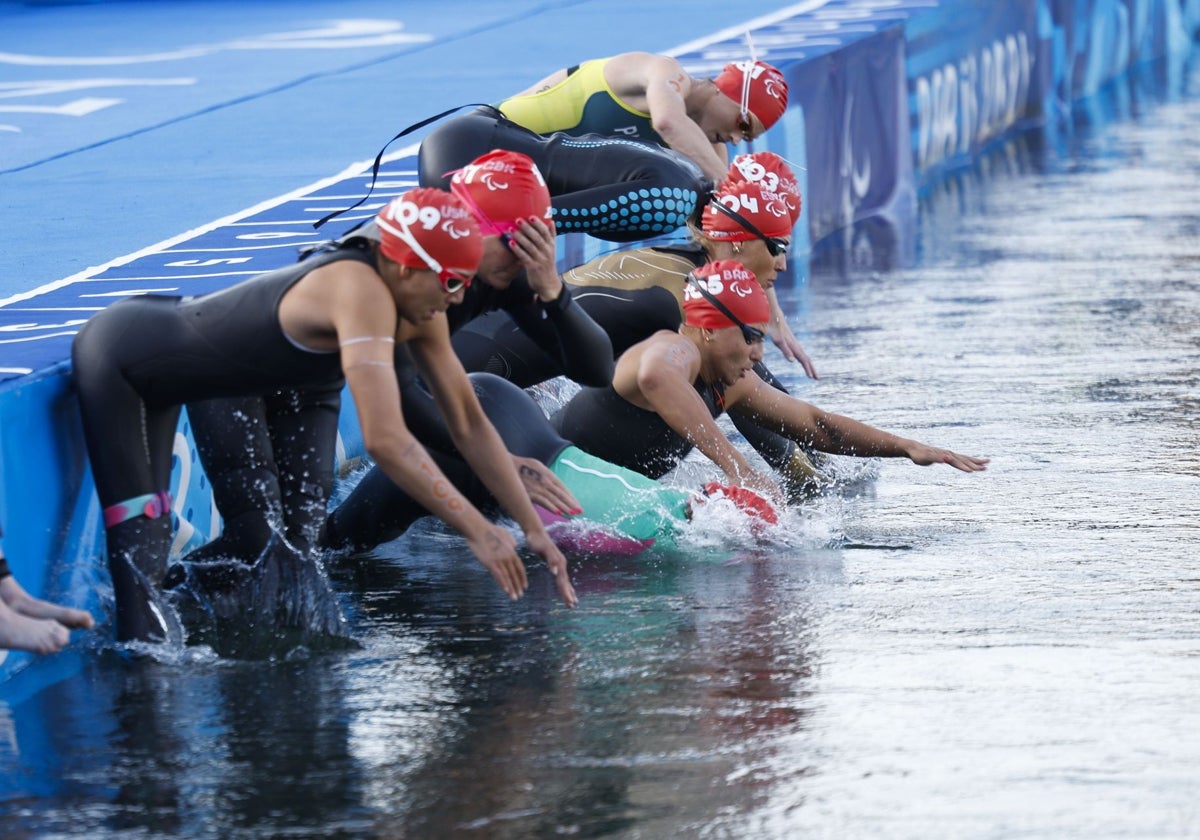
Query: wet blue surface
{"x": 920, "y": 653}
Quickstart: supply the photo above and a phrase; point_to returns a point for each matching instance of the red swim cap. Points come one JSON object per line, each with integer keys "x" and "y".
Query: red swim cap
{"x": 746, "y": 500}
{"x": 768, "y": 212}
{"x": 731, "y": 284}
{"x": 772, "y": 171}
{"x": 758, "y": 87}
{"x": 500, "y": 187}
{"x": 429, "y": 228}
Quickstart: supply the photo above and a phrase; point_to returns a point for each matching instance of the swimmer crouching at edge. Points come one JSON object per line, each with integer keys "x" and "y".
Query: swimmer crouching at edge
{"x": 341, "y": 314}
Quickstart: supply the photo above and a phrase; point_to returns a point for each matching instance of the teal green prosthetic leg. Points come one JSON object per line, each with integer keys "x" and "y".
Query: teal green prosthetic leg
{"x": 620, "y": 501}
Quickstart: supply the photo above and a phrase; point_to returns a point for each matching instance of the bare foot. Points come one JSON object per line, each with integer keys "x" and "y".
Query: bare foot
{"x": 24, "y": 604}
{"x": 36, "y": 635}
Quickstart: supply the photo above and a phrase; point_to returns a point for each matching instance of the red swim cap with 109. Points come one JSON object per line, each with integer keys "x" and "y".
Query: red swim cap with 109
{"x": 430, "y": 228}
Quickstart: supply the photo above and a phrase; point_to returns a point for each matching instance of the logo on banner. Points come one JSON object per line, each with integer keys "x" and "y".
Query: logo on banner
{"x": 966, "y": 103}
{"x": 855, "y": 172}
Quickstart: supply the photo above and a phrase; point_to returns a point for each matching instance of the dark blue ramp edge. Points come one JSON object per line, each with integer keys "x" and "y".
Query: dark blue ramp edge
{"x": 887, "y": 98}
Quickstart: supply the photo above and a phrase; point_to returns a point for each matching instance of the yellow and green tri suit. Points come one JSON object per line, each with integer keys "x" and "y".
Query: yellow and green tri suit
{"x": 583, "y": 103}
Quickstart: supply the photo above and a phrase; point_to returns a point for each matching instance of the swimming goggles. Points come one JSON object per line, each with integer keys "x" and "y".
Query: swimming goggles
{"x": 775, "y": 245}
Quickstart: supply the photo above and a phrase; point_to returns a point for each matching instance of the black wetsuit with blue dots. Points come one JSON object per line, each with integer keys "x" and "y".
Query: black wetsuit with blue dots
{"x": 610, "y": 187}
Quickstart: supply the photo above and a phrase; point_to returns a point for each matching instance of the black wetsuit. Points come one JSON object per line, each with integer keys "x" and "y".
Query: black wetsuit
{"x": 612, "y": 188}
{"x": 377, "y": 510}
{"x": 138, "y": 361}
{"x": 603, "y": 423}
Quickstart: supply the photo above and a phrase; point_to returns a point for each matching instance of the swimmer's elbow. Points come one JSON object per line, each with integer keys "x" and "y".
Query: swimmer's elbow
{"x": 666, "y": 126}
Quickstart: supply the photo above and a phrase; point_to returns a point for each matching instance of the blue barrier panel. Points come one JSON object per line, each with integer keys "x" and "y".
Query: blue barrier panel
{"x": 971, "y": 73}
{"x": 853, "y": 105}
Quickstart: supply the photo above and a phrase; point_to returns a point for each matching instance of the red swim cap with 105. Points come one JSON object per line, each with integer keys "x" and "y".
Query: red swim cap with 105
{"x": 731, "y": 284}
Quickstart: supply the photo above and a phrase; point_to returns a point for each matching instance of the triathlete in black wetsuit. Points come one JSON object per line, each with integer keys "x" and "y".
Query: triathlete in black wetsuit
{"x": 298, "y": 328}
{"x": 668, "y": 390}
{"x": 628, "y": 144}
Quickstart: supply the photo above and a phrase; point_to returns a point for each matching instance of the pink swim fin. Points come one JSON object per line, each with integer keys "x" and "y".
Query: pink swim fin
{"x": 582, "y": 536}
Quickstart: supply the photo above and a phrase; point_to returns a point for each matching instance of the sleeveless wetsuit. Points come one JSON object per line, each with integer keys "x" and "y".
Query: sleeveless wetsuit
{"x": 561, "y": 338}
{"x": 631, "y": 295}
{"x": 615, "y": 189}
{"x": 583, "y": 103}
{"x": 616, "y": 499}
{"x": 603, "y": 423}
{"x": 136, "y": 362}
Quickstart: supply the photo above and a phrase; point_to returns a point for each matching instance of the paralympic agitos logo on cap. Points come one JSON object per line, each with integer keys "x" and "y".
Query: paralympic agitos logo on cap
{"x": 770, "y": 83}
{"x": 486, "y": 173}
{"x": 736, "y": 279}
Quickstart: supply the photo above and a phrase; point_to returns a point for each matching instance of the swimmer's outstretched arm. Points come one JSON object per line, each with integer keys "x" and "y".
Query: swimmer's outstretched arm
{"x": 481, "y": 446}
{"x": 364, "y": 317}
{"x": 835, "y": 433}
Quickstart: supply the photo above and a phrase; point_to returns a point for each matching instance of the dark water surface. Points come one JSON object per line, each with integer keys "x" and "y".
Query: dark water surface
{"x": 920, "y": 653}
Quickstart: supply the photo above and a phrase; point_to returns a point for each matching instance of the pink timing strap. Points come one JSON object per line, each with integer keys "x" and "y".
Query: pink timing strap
{"x": 151, "y": 505}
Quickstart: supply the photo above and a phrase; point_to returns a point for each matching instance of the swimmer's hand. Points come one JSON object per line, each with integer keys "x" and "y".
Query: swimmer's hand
{"x": 496, "y": 549}
{"x": 539, "y": 542}
{"x": 535, "y": 247}
{"x": 545, "y": 488}
{"x": 923, "y": 456}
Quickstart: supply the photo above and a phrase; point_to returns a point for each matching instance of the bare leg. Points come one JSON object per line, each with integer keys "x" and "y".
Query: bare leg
{"x": 24, "y": 604}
